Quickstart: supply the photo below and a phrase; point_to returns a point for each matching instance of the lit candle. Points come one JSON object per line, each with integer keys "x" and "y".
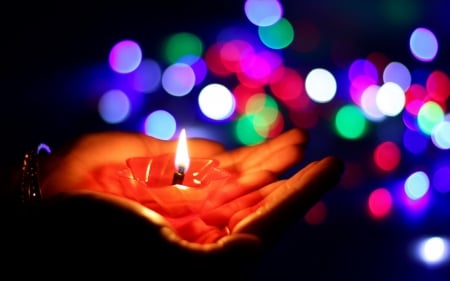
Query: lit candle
{"x": 181, "y": 159}
{"x": 174, "y": 184}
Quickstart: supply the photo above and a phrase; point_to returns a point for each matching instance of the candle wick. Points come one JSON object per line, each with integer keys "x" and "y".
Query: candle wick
{"x": 178, "y": 176}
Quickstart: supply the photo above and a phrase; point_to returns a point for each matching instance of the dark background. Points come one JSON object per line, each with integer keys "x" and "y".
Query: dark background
{"x": 48, "y": 49}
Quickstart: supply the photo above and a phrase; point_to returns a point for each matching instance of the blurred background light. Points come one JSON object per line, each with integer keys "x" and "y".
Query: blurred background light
{"x": 397, "y": 73}
{"x": 245, "y": 131}
{"x": 278, "y": 35}
{"x": 368, "y": 103}
{"x": 390, "y": 99}
{"x": 288, "y": 86}
{"x": 320, "y": 85}
{"x": 263, "y": 12}
{"x": 432, "y": 251}
{"x": 415, "y": 97}
{"x": 417, "y": 185}
{"x": 114, "y": 106}
{"x": 429, "y": 116}
{"x": 178, "y": 79}
{"x": 198, "y": 65}
{"x": 265, "y": 116}
{"x": 423, "y": 44}
{"x": 350, "y": 122}
{"x": 147, "y": 77}
{"x": 125, "y": 56}
{"x": 387, "y": 156}
{"x": 438, "y": 87}
{"x": 362, "y": 74}
{"x": 440, "y": 135}
{"x": 160, "y": 124}
{"x": 182, "y": 44}
{"x": 216, "y": 102}
{"x": 380, "y": 203}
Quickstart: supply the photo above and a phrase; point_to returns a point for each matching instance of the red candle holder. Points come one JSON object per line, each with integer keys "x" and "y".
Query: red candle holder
{"x": 151, "y": 178}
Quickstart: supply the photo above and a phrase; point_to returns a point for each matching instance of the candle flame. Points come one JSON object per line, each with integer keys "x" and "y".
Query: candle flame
{"x": 182, "y": 154}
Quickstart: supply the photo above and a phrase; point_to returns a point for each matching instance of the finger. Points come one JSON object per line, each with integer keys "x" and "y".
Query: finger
{"x": 274, "y": 155}
{"x": 292, "y": 199}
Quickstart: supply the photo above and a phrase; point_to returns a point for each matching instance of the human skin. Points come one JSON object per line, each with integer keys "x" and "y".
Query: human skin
{"x": 249, "y": 211}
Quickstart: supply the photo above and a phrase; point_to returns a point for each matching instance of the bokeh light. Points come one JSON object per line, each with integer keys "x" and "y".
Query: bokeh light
{"x": 214, "y": 62}
{"x": 147, "y": 77}
{"x": 245, "y": 131}
{"x": 199, "y": 67}
{"x": 287, "y": 85}
{"x": 114, "y": 106}
{"x": 216, "y": 102}
{"x": 362, "y": 74}
{"x": 440, "y": 135}
{"x": 380, "y": 203}
{"x": 350, "y": 122}
{"x": 242, "y": 93}
{"x": 415, "y": 97}
{"x": 368, "y": 104}
{"x": 390, "y": 99}
{"x": 438, "y": 87}
{"x": 125, "y": 56}
{"x": 417, "y": 185}
{"x": 423, "y": 44}
{"x": 263, "y": 12}
{"x": 387, "y": 156}
{"x": 397, "y": 73}
{"x": 236, "y": 54}
{"x": 320, "y": 85}
{"x": 257, "y": 68}
{"x": 182, "y": 44}
{"x": 432, "y": 251}
{"x": 429, "y": 116}
{"x": 178, "y": 79}
{"x": 160, "y": 124}
{"x": 278, "y": 35}
{"x": 265, "y": 115}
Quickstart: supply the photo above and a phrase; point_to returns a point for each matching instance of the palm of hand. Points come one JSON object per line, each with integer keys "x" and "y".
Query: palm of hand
{"x": 241, "y": 206}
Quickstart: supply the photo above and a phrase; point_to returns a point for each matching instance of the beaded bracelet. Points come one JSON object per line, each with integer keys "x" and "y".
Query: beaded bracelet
{"x": 29, "y": 189}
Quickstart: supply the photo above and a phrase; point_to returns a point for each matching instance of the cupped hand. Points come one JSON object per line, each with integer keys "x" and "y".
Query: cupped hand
{"x": 249, "y": 210}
